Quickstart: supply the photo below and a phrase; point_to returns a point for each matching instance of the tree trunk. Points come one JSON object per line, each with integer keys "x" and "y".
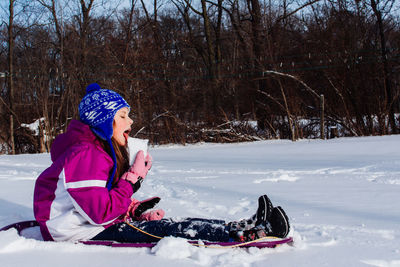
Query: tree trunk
{"x": 258, "y": 52}
{"x": 11, "y": 73}
{"x": 386, "y": 72}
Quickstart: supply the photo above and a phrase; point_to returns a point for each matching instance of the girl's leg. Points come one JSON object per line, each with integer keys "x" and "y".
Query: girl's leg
{"x": 190, "y": 228}
{"x": 268, "y": 220}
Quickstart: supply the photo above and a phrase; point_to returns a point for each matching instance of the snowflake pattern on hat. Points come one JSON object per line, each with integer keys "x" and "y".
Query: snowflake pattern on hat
{"x": 97, "y": 109}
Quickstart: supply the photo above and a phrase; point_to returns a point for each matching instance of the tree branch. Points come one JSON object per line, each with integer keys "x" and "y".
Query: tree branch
{"x": 292, "y": 77}
{"x": 295, "y": 11}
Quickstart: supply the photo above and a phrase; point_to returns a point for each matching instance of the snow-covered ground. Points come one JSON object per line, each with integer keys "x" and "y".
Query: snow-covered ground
{"x": 341, "y": 195}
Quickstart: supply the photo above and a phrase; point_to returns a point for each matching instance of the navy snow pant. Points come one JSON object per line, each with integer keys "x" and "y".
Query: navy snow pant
{"x": 190, "y": 228}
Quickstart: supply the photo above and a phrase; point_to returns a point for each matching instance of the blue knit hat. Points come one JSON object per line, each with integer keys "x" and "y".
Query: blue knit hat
{"x": 97, "y": 109}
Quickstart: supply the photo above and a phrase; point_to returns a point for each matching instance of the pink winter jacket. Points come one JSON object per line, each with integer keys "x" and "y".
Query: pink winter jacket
{"x": 71, "y": 201}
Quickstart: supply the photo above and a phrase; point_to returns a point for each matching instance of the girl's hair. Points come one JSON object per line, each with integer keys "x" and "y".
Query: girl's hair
{"x": 121, "y": 155}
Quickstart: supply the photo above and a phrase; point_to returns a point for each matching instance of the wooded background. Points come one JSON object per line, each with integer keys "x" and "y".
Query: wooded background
{"x": 202, "y": 70}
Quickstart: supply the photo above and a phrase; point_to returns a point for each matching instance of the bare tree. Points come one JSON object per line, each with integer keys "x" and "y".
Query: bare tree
{"x": 211, "y": 52}
{"x": 11, "y": 72}
{"x": 379, "y": 9}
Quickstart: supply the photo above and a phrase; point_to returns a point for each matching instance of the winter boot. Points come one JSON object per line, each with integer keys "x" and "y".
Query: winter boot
{"x": 264, "y": 210}
{"x": 279, "y": 222}
{"x": 261, "y": 218}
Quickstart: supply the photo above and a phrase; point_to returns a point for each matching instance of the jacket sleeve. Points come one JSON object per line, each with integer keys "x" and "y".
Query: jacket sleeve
{"x": 86, "y": 173}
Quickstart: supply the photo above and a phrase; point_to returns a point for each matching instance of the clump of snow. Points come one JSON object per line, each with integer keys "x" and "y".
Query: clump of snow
{"x": 173, "y": 248}
{"x": 34, "y": 126}
{"x": 9, "y": 240}
{"x": 281, "y": 178}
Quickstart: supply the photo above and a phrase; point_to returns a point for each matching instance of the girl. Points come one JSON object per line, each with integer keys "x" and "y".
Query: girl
{"x": 86, "y": 192}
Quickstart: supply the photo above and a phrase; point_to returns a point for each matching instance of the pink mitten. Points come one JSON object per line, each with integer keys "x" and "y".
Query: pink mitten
{"x": 139, "y": 168}
{"x": 132, "y": 207}
{"x": 152, "y": 215}
{"x": 137, "y": 208}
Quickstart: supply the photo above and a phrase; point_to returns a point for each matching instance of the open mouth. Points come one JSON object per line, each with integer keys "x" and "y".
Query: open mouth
{"x": 126, "y": 135}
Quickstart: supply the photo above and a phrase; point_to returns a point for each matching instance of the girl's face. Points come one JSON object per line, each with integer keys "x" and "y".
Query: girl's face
{"x": 122, "y": 126}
